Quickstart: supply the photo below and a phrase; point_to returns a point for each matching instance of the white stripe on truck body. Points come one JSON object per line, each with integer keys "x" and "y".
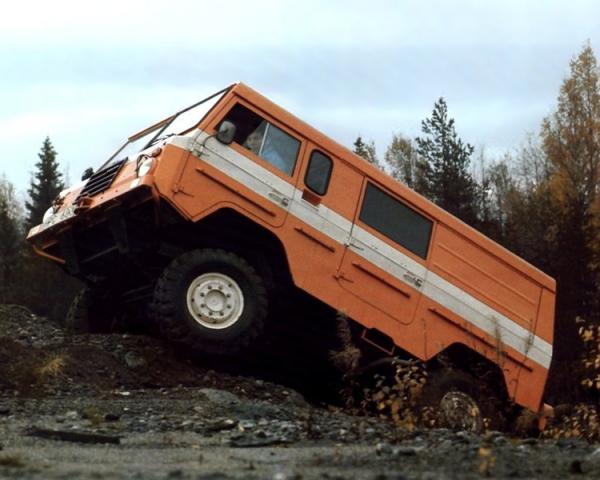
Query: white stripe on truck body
{"x": 325, "y": 220}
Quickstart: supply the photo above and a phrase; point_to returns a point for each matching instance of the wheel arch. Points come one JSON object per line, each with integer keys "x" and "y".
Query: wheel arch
{"x": 230, "y": 230}
{"x": 462, "y": 357}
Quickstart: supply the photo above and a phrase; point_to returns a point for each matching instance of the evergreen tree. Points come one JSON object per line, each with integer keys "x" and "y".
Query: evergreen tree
{"x": 445, "y": 166}
{"x": 366, "y": 151}
{"x": 10, "y": 240}
{"x": 45, "y": 185}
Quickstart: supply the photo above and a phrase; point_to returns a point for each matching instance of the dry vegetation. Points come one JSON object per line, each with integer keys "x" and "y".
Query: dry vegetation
{"x": 393, "y": 395}
{"x": 53, "y": 366}
{"x": 582, "y": 420}
{"x": 398, "y": 398}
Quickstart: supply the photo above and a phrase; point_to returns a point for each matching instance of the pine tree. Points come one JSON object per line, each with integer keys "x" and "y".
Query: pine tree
{"x": 45, "y": 185}
{"x": 10, "y": 240}
{"x": 445, "y": 166}
{"x": 366, "y": 151}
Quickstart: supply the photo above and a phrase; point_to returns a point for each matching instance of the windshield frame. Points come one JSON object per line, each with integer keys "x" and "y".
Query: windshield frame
{"x": 162, "y": 125}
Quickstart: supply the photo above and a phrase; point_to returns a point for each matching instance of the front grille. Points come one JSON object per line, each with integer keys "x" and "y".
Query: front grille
{"x": 101, "y": 180}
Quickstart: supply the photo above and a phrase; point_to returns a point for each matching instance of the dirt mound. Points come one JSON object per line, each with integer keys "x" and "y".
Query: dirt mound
{"x": 39, "y": 358}
{"x": 17, "y": 365}
{"x": 86, "y": 367}
{"x": 18, "y": 323}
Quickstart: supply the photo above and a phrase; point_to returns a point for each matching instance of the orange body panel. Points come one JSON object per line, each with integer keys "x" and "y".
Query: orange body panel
{"x": 469, "y": 266}
{"x": 466, "y": 289}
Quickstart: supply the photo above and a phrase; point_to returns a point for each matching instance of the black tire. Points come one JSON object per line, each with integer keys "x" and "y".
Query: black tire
{"x": 181, "y": 321}
{"x": 88, "y": 313}
{"x": 459, "y": 401}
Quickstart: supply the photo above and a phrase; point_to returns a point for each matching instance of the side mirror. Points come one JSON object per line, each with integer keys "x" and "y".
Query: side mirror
{"x": 226, "y": 132}
{"x": 88, "y": 173}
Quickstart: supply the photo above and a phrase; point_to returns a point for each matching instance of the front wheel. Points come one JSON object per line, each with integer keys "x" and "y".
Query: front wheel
{"x": 211, "y": 300}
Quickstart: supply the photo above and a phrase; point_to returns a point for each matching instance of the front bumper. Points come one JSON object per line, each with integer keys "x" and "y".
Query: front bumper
{"x": 84, "y": 239}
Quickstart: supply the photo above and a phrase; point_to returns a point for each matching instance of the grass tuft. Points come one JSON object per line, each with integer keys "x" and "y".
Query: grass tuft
{"x": 53, "y": 366}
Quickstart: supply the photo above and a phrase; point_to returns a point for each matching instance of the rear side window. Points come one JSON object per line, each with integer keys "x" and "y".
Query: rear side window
{"x": 396, "y": 221}
{"x": 264, "y": 139}
{"x": 318, "y": 172}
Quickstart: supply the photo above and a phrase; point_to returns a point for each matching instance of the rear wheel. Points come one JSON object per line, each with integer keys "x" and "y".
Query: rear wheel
{"x": 211, "y": 300}
{"x": 458, "y": 401}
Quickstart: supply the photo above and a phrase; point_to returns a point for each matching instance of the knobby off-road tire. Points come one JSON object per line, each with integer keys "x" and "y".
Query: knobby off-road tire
{"x": 211, "y": 300}
{"x": 88, "y": 313}
{"x": 462, "y": 402}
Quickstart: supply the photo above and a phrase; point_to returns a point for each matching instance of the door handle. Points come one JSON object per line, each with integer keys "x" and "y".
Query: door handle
{"x": 278, "y": 197}
{"x": 416, "y": 281}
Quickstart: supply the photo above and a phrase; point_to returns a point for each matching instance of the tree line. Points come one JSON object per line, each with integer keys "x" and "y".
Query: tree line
{"x": 541, "y": 201}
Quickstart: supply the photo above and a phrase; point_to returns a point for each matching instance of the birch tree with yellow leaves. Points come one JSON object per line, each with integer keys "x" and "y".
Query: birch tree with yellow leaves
{"x": 571, "y": 141}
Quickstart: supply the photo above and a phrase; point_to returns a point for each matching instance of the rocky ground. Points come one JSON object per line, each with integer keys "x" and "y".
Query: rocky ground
{"x": 127, "y": 406}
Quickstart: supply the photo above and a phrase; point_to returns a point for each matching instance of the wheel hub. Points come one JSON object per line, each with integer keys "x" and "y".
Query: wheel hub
{"x": 461, "y": 412}
{"x": 215, "y": 300}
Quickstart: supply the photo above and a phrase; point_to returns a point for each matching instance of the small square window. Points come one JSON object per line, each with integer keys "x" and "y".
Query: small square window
{"x": 318, "y": 172}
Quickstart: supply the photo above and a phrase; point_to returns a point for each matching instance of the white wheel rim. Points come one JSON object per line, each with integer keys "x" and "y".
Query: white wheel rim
{"x": 215, "y": 301}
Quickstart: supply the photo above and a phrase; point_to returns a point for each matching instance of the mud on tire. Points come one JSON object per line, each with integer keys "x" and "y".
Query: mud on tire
{"x": 211, "y": 300}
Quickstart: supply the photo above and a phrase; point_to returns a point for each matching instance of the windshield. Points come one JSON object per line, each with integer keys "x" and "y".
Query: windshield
{"x": 176, "y": 124}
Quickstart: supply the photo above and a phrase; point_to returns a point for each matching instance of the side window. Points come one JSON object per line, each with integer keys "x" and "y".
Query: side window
{"x": 318, "y": 172}
{"x": 264, "y": 139}
{"x": 396, "y": 221}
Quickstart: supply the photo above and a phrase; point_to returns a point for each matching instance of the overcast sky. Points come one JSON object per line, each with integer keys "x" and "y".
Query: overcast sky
{"x": 88, "y": 74}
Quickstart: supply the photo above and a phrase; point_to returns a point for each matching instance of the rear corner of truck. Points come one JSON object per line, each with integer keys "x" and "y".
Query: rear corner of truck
{"x": 532, "y": 380}
{"x": 545, "y": 331}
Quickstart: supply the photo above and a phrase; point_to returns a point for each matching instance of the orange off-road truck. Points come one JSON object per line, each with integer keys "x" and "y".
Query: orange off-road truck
{"x": 211, "y": 212}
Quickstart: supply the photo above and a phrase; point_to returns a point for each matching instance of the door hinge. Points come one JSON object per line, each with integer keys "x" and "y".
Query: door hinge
{"x": 350, "y": 243}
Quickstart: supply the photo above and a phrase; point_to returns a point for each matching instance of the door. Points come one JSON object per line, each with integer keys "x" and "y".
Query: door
{"x": 258, "y": 171}
{"x": 384, "y": 260}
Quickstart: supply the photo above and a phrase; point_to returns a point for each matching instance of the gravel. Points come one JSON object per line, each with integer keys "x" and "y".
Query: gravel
{"x": 177, "y": 419}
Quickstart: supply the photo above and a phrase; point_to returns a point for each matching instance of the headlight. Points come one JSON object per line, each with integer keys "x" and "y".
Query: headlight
{"x": 145, "y": 167}
{"x": 48, "y": 214}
